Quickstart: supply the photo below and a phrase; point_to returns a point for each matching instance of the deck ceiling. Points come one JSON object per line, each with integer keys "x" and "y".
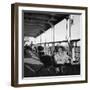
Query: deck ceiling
{"x": 36, "y": 23}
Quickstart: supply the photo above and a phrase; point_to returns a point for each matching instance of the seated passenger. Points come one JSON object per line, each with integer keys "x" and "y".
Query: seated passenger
{"x": 40, "y": 51}
{"x": 46, "y": 60}
{"x": 61, "y": 58}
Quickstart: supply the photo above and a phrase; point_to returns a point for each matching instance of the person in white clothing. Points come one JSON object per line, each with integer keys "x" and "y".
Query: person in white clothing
{"x": 61, "y": 58}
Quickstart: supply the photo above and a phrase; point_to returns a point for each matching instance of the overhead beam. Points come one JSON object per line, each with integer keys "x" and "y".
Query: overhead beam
{"x": 36, "y": 17}
{"x": 34, "y": 24}
{"x": 36, "y": 21}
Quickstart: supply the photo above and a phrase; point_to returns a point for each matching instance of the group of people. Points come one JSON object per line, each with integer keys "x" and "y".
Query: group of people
{"x": 56, "y": 58}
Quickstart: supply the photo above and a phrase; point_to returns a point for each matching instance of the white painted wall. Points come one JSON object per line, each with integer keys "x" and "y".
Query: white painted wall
{"x": 5, "y": 45}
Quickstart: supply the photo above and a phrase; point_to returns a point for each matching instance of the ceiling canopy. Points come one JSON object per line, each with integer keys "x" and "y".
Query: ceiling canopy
{"x": 36, "y": 23}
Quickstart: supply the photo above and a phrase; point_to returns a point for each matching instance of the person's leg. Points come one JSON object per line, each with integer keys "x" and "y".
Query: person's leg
{"x": 60, "y": 69}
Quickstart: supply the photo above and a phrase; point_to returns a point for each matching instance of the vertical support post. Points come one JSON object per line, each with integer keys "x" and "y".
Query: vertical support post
{"x": 68, "y": 28}
{"x": 53, "y": 36}
{"x": 53, "y": 29}
{"x": 68, "y": 34}
{"x": 40, "y": 39}
{"x": 73, "y": 52}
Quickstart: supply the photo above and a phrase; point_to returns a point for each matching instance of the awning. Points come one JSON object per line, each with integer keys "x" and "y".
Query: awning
{"x": 36, "y": 22}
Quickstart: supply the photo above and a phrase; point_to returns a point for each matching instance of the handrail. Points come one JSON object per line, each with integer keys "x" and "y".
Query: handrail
{"x": 74, "y": 40}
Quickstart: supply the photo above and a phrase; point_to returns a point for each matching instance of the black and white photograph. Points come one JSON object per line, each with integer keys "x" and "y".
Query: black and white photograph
{"x": 50, "y": 44}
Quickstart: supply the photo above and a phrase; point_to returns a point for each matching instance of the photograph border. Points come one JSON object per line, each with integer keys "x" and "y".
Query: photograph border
{"x": 14, "y": 43}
